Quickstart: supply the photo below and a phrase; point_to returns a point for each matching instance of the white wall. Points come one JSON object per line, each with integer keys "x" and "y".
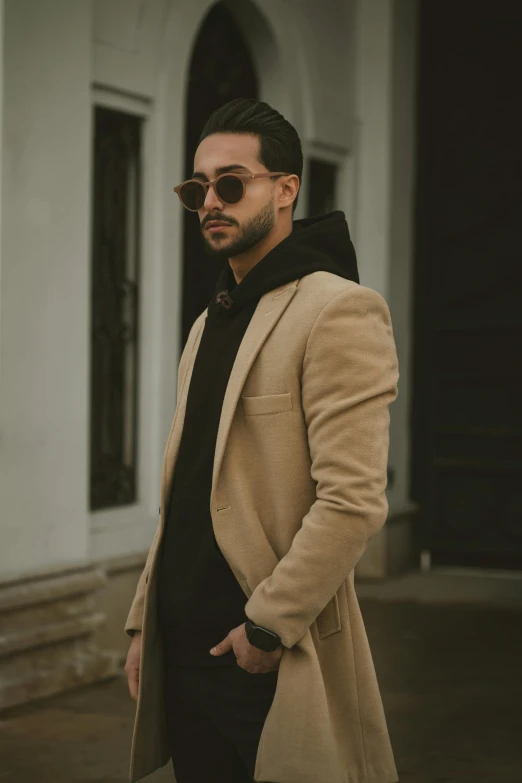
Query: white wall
{"x": 315, "y": 42}
{"x": 373, "y": 141}
{"x": 44, "y": 285}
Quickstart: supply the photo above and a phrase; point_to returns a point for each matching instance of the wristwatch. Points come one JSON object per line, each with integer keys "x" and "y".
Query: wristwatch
{"x": 265, "y": 640}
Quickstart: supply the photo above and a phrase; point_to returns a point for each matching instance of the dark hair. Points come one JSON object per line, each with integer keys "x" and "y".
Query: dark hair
{"x": 279, "y": 143}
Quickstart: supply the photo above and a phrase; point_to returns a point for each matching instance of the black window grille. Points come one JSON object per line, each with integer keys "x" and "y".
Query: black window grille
{"x": 322, "y": 187}
{"x": 114, "y": 308}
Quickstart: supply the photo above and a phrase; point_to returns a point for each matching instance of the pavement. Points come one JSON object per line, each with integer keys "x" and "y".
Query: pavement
{"x": 448, "y": 655}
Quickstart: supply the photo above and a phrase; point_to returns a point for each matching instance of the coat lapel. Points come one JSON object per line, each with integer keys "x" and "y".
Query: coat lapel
{"x": 173, "y": 442}
{"x": 269, "y": 310}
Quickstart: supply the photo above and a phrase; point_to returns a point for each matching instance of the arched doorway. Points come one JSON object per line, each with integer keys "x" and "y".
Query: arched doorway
{"x": 221, "y": 69}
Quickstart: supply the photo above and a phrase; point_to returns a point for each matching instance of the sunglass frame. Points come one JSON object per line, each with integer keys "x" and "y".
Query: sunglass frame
{"x": 244, "y": 178}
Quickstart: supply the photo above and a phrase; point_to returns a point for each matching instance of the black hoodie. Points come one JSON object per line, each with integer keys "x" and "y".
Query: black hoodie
{"x": 200, "y": 600}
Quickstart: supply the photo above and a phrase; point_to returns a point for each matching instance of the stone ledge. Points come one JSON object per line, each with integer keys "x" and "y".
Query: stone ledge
{"x": 48, "y": 626}
{"x": 118, "y": 565}
{"x": 11, "y": 644}
{"x": 60, "y": 667}
{"x": 34, "y": 590}
{"x": 49, "y": 572}
{"x": 115, "y": 599}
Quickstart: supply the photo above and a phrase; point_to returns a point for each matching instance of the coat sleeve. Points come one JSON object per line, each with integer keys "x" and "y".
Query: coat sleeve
{"x": 349, "y": 379}
{"x": 135, "y": 617}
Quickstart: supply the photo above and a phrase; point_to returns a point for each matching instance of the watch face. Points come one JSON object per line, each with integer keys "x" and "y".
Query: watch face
{"x": 263, "y": 640}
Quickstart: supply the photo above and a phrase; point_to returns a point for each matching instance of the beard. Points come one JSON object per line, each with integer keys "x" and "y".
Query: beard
{"x": 250, "y": 234}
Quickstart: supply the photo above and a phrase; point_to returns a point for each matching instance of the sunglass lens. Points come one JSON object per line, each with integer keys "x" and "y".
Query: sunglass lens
{"x": 230, "y": 189}
{"x": 193, "y": 195}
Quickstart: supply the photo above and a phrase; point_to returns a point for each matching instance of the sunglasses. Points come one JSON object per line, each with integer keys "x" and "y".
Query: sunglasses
{"x": 229, "y": 188}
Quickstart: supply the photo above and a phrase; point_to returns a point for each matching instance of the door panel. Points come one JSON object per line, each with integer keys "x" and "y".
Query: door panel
{"x": 467, "y": 413}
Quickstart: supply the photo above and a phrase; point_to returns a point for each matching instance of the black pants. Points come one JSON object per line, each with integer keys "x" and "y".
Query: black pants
{"x": 215, "y": 716}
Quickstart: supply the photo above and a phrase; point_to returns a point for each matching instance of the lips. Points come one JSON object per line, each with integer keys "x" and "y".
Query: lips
{"x": 215, "y": 224}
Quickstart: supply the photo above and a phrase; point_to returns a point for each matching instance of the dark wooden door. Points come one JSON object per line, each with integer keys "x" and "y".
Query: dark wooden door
{"x": 221, "y": 69}
{"x": 467, "y": 408}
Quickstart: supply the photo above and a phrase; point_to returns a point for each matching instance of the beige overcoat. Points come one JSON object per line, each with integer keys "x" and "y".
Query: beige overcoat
{"x": 298, "y": 490}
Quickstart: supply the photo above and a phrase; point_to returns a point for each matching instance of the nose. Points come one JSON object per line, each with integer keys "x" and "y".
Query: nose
{"x": 212, "y": 202}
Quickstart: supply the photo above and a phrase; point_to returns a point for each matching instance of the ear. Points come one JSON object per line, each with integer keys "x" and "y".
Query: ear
{"x": 288, "y": 188}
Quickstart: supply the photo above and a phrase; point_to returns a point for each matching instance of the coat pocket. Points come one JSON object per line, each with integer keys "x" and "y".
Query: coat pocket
{"x": 267, "y": 403}
{"x": 329, "y": 620}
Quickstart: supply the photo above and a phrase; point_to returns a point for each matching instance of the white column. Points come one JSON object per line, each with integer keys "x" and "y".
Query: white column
{"x": 373, "y": 58}
{"x": 45, "y": 286}
{"x": 385, "y": 68}
{"x": 1, "y": 159}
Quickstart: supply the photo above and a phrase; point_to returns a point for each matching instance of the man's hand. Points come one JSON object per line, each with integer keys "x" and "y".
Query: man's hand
{"x": 132, "y": 667}
{"x": 250, "y": 658}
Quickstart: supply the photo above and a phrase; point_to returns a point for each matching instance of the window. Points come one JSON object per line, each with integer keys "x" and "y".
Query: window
{"x": 322, "y": 187}
{"x": 114, "y": 308}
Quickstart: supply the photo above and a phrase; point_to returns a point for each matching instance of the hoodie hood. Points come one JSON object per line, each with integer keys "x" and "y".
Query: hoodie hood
{"x": 318, "y": 244}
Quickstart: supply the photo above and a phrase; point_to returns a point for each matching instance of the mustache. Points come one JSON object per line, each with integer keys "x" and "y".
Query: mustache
{"x": 221, "y": 218}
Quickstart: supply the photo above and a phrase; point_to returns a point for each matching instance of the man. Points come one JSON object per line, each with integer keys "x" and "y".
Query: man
{"x": 249, "y": 658}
